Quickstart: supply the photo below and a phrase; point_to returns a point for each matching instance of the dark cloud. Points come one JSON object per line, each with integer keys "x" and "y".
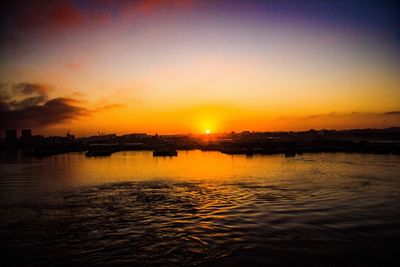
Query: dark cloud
{"x": 21, "y": 95}
{"x": 28, "y": 105}
{"x": 392, "y": 113}
{"x": 27, "y": 102}
{"x": 30, "y": 88}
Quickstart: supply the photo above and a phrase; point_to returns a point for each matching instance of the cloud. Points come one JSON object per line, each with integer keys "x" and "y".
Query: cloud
{"x": 149, "y": 6}
{"x": 130, "y": 9}
{"x": 390, "y": 113}
{"x": 108, "y": 107}
{"x": 73, "y": 65}
{"x": 33, "y": 15}
{"x": 20, "y": 18}
{"x": 337, "y": 120}
{"x": 30, "y": 88}
{"x": 27, "y": 105}
{"x": 344, "y": 115}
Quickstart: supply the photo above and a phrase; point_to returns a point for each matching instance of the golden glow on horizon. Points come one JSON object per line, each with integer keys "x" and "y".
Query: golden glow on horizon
{"x": 208, "y": 131}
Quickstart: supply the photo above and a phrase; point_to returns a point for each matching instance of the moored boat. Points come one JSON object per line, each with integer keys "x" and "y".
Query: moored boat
{"x": 165, "y": 153}
{"x": 98, "y": 153}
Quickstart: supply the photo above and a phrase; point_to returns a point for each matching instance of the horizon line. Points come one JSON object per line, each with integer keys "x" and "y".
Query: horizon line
{"x": 3, "y": 131}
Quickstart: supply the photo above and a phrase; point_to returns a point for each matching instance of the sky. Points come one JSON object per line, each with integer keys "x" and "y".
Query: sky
{"x": 174, "y": 66}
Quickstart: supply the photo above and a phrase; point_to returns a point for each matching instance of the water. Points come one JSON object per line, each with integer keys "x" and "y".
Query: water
{"x": 200, "y": 209}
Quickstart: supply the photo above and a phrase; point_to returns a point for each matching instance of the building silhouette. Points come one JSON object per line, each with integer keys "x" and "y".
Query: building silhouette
{"x": 26, "y": 133}
{"x": 11, "y": 136}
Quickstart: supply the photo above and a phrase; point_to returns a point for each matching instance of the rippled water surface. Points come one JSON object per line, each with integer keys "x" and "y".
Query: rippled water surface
{"x": 200, "y": 209}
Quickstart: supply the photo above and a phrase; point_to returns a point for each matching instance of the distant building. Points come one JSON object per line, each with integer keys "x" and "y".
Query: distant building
{"x": 11, "y": 135}
{"x": 26, "y": 133}
{"x": 70, "y": 137}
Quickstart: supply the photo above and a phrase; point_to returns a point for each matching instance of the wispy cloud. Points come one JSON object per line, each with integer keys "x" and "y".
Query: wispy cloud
{"x": 108, "y": 107}
{"x": 331, "y": 115}
{"x": 74, "y": 65}
{"x": 149, "y": 6}
{"x": 32, "y": 15}
{"x": 48, "y": 18}
{"x": 338, "y": 120}
{"x": 390, "y": 113}
{"x": 55, "y": 17}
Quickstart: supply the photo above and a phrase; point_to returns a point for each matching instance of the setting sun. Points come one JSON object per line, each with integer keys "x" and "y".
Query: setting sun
{"x": 208, "y": 131}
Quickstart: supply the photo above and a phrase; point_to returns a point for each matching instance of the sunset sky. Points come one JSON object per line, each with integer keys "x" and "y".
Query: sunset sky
{"x": 186, "y": 66}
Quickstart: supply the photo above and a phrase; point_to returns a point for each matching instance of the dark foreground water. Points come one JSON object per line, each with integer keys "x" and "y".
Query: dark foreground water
{"x": 200, "y": 209}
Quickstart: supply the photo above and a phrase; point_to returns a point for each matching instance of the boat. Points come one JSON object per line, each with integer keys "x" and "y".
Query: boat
{"x": 290, "y": 154}
{"x": 165, "y": 153}
{"x": 98, "y": 153}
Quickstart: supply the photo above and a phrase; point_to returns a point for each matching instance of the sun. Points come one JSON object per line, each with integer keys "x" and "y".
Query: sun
{"x": 208, "y": 131}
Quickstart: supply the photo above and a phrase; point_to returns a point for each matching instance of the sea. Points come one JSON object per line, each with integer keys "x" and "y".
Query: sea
{"x": 200, "y": 209}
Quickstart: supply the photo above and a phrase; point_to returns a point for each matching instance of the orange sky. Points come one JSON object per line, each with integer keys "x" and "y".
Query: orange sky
{"x": 188, "y": 66}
